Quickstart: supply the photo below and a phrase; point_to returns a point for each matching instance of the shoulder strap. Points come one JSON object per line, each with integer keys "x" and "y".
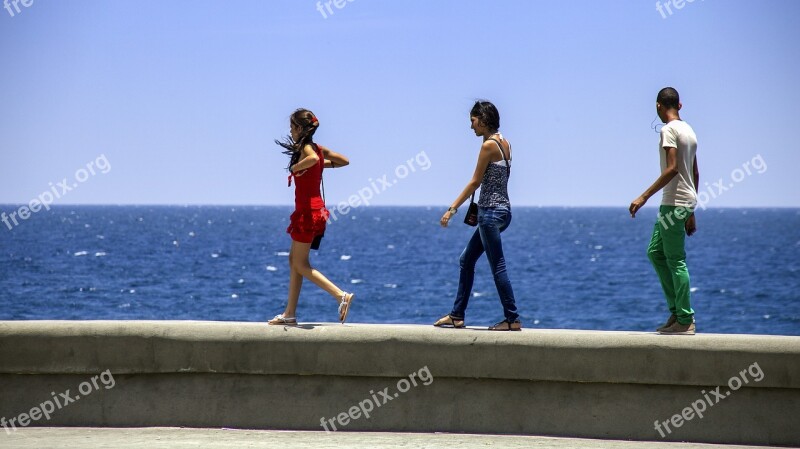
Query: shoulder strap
{"x": 508, "y": 165}
{"x": 321, "y": 177}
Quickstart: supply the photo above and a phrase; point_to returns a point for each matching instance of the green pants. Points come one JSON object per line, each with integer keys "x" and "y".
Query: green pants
{"x": 668, "y": 256}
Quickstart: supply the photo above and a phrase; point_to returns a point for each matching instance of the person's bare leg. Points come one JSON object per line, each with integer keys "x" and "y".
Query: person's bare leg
{"x": 295, "y": 284}
{"x": 303, "y": 267}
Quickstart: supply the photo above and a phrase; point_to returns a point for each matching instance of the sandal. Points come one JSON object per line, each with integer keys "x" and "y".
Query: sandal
{"x": 344, "y": 305}
{"x": 449, "y": 321}
{"x": 505, "y": 325}
{"x": 282, "y": 320}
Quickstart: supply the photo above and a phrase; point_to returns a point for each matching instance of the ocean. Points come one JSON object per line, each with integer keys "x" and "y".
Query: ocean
{"x": 571, "y": 268}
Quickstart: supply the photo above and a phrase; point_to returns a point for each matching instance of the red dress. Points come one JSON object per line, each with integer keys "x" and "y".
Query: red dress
{"x": 310, "y": 215}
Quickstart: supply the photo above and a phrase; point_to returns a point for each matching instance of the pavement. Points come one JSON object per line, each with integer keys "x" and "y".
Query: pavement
{"x": 170, "y": 437}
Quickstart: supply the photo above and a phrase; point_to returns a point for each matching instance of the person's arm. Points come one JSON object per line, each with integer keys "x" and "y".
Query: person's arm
{"x": 691, "y": 223}
{"x": 666, "y": 176}
{"x": 334, "y": 159}
{"x": 308, "y": 158}
{"x": 484, "y": 158}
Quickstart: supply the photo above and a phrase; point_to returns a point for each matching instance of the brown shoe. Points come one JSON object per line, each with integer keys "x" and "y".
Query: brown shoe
{"x": 679, "y": 329}
{"x": 449, "y": 321}
{"x": 670, "y": 321}
{"x": 506, "y": 326}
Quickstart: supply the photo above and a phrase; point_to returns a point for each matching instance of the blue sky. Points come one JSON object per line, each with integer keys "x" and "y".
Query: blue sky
{"x": 184, "y": 98}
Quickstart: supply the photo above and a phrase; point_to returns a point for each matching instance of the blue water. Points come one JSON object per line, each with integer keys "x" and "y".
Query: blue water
{"x": 577, "y": 268}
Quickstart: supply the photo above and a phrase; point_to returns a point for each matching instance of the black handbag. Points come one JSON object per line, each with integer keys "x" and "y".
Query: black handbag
{"x": 318, "y": 238}
{"x": 471, "y": 218}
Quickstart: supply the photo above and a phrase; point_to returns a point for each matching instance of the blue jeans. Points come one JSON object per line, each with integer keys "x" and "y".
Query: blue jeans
{"x": 491, "y": 222}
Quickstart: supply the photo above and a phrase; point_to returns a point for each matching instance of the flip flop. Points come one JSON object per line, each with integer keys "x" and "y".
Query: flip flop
{"x": 505, "y": 325}
{"x": 344, "y": 305}
{"x": 281, "y": 320}
{"x": 449, "y": 321}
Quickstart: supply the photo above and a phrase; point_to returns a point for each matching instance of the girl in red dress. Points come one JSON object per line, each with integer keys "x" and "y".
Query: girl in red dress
{"x": 310, "y": 215}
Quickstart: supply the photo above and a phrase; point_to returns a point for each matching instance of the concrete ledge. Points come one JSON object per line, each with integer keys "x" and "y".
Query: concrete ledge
{"x": 170, "y": 438}
{"x": 546, "y": 382}
{"x": 386, "y": 351}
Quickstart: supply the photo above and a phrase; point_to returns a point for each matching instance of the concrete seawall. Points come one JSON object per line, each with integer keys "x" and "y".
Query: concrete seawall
{"x": 543, "y": 382}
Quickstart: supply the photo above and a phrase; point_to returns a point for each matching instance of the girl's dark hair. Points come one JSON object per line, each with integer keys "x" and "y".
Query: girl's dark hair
{"x": 487, "y": 113}
{"x": 308, "y": 124}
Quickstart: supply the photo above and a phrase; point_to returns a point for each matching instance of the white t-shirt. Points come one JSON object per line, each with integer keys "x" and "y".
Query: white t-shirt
{"x": 681, "y": 191}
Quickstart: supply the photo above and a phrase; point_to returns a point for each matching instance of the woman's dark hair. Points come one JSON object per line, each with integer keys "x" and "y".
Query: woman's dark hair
{"x": 487, "y": 113}
{"x": 308, "y": 124}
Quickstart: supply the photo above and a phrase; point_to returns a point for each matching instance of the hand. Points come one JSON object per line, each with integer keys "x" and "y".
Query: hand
{"x": 691, "y": 226}
{"x": 636, "y": 205}
{"x": 446, "y": 218}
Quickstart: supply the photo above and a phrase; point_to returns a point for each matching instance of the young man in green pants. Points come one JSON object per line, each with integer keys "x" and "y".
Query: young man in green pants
{"x": 679, "y": 179}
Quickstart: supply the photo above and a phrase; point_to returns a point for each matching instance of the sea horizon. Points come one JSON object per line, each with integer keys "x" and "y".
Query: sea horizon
{"x": 646, "y": 206}
{"x": 571, "y": 267}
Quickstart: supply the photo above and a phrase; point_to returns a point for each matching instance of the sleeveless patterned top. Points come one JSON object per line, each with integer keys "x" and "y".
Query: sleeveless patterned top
{"x": 494, "y": 186}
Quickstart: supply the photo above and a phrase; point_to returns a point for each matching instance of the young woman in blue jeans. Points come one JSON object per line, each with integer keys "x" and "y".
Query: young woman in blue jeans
{"x": 494, "y": 216}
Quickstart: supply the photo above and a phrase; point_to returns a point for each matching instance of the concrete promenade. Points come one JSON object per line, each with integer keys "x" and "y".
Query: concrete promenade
{"x": 168, "y": 438}
{"x": 732, "y": 389}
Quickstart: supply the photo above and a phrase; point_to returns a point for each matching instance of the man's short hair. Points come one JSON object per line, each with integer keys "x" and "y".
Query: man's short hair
{"x": 669, "y": 98}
